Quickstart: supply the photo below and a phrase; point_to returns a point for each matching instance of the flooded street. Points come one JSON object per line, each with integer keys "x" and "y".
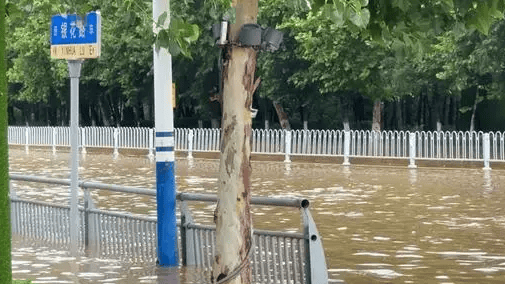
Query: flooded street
{"x": 378, "y": 224}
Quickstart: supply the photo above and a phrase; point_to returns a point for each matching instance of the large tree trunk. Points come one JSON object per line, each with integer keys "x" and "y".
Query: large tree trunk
{"x": 283, "y": 116}
{"x": 233, "y": 216}
{"x": 474, "y": 110}
{"x": 345, "y": 105}
{"x": 104, "y": 112}
{"x": 447, "y": 110}
{"x": 399, "y": 114}
{"x": 146, "y": 109}
{"x": 377, "y": 115}
{"x": 455, "y": 111}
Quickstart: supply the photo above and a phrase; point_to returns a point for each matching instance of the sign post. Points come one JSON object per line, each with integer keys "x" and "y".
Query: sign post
{"x": 164, "y": 142}
{"x": 74, "y": 70}
{"x": 75, "y": 38}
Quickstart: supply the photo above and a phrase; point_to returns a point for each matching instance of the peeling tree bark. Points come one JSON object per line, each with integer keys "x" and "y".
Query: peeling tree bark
{"x": 232, "y": 217}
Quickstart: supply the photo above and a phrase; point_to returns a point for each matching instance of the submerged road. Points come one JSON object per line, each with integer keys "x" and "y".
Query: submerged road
{"x": 378, "y": 224}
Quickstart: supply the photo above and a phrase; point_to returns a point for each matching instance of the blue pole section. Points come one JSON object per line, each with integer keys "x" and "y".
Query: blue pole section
{"x": 164, "y": 142}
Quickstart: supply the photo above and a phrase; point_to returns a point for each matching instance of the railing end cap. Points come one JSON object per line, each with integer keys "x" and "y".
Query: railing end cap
{"x": 305, "y": 203}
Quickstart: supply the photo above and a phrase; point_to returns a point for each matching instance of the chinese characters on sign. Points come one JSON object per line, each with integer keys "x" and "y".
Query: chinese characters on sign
{"x": 74, "y": 37}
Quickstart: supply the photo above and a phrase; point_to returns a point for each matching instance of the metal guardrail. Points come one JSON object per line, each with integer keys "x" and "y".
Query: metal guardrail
{"x": 277, "y": 257}
{"x": 436, "y": 145}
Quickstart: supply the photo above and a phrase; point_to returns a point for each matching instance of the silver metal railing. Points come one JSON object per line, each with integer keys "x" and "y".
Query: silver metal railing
{"x": 276, "y": 257}
{"x": 437, "y": 145}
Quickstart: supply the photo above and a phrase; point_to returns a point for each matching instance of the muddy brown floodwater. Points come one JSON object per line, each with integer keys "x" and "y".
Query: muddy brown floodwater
{"x": 378, "y": 224}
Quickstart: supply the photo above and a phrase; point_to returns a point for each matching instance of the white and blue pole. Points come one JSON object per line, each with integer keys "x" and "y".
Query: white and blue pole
{"x": 164, "y": 143}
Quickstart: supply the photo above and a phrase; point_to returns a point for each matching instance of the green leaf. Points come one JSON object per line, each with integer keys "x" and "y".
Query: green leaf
{"x": 163, "y": 39}
{"x": 195, "y": 33}
{"x": 334, "y": 15}
{"x": 161, "y": 19}
{"x": 174, "y": 49}
{"x": 361, "y": 19}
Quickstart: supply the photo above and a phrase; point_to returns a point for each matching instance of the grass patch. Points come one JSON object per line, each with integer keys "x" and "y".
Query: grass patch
{"x": 21, "y": 282}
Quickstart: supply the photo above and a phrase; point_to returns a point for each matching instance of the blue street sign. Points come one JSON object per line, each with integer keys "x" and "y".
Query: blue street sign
{"x": 74, "y": 37}
{"x": 72, "y": 29}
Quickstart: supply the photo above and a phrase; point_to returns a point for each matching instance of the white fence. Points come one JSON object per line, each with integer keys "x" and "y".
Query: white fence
{"x": 438, "y": 145}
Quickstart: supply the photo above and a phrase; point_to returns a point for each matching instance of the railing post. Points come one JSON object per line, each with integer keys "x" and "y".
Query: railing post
{"x": 304, "y": 142}
{"x": 83, "y": 140}
{"x": 151, "y": 144}
{"x": 14, "y": 209}
{"x": 91, "y": 232}
{"x": 347, "y": 147}
{"x": 116, "y": 143}
{"x": 315, "y": 264}
{"x": 412, "y": 150}
{"x": 86, "y": 218}
{"x": 375, "y": 135}
{"x": 26, "y": 138}
{"x": 486, "y": 151}
{"x": 187, "y": 236}
{"x": 190, "y": 144}
{"x": 54, "y": 140}
{"x": 287, "y": 147}
{"x": 439, "y": 151}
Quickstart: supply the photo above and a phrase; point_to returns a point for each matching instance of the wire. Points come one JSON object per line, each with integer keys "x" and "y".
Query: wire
{"x": 239, "y": 268}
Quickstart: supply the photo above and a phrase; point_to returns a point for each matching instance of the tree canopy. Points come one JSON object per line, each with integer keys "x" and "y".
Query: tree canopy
{"x": 338, "y": 57}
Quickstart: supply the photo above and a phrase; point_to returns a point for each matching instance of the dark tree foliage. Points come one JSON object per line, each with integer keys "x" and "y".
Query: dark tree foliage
{"x": 428, "y": 61}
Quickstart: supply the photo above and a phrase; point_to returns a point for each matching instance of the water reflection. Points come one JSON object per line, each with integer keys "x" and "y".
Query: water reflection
{"x": 287, "y": 169}
{"x": 413, "y": 177}
{"x": 378, "y": 224}
{"x": 46, "y": 263}
{"x": 166, "y": 275}
{"x": 488, "y": 184}
{"x": 191, "y": 163}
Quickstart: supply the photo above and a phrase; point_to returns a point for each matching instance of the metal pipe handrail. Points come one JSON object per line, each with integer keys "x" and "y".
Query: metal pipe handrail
{"x": 42, "y": 203}
{"x": 182, "y": 196}
{"x": 39, "y": 179}
{"x": 126, "y": 215}
{"x": 117, "y": 188}
{"x": 85, "y": 184}
{"x": 255, "y": 200}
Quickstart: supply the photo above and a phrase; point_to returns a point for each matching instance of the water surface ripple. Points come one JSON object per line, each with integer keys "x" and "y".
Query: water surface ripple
{"x": 378, "y": 224}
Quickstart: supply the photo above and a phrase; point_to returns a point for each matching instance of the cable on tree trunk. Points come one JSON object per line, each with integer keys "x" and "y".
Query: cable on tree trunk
{"x": 235, "y": 272}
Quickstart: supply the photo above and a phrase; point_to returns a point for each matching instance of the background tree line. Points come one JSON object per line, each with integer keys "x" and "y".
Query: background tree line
{"x": 413, "y": 74}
